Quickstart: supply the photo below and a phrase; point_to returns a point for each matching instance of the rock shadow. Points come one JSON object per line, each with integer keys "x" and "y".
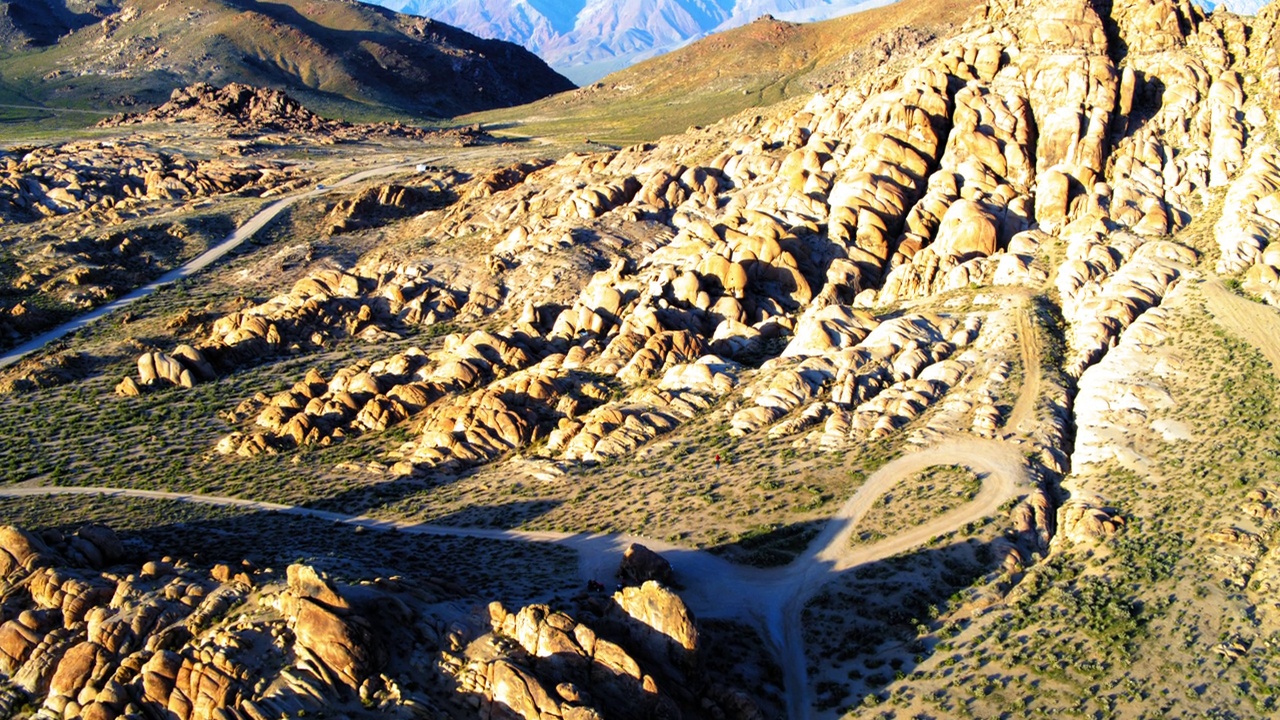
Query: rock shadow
{"x": 1148, "y": 100}
{"x": 413, "y": 495}
{"x": 771, "y": 545}
{"x": 507, "y": 516}
{"x": 44, "y": 23}
{"x": 514, "y": 571}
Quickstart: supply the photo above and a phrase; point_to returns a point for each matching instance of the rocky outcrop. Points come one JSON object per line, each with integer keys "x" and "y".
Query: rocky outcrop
{"x": 661, "y": 627}
{"x": 776, "y": 250}
{"x": 1087, "y": 520}
{"x": 112, "y": 178}
{"x": 549, "y": 663}
{"x": 333, "y": 303}
{"x": 185, "y": 367}
{"x": 90, "y": 631}
{"x": 327, "y": 630}
{"x": 566, "y": 652}
{"x": 236, "y": 104}
{"x": 377, "y": 205}
{"x": 640, "y": 565}
{"x": 240, "y": 108}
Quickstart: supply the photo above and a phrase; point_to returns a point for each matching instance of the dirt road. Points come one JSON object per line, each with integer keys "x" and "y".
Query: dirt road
{"x": 1029, "y": 340}
{"x": 1005, "y": 476}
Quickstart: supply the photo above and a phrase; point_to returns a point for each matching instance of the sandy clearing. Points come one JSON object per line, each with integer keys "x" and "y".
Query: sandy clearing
{"x": 1255, "y": 323}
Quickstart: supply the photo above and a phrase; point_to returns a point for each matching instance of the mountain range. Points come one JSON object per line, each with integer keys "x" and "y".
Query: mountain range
{"x": 345, "y": 57}
{"x": 1239, "y": 7}
{"x": 587, "y": 39}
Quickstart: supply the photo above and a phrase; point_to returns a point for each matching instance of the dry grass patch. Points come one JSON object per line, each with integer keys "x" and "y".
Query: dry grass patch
{"x": 926, "y": 495}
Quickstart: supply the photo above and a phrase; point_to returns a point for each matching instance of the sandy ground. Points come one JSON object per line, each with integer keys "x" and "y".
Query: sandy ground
{"x": 1254, "y": 322}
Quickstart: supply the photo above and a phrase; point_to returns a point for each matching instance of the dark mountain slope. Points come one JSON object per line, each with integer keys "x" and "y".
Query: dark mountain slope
{"x": 341, "y": 57}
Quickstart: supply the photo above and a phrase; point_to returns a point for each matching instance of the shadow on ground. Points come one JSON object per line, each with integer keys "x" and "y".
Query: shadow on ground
{"x": 874, "y": 624}
{"x": 770, "y": 546}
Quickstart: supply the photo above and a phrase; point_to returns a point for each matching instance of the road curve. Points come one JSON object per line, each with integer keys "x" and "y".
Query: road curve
{"x": 191, "y": 267}
{"x": 1003, "y": 472}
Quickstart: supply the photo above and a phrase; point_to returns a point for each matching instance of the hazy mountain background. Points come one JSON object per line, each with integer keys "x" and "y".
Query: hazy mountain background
{"x": 587, "y": 39}
{"x": 1239, "y": 7}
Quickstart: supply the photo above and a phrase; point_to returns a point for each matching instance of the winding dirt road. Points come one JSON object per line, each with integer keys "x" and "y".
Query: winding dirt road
{"x": 1004, "y": 472}
{"x": 195, "y": 265}
{"x": 772, "y": 599}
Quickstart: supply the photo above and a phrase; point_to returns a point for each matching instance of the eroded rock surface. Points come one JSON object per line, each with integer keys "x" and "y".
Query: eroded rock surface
{"x": 94, "y": 632}
{"x": 752, "y": 279}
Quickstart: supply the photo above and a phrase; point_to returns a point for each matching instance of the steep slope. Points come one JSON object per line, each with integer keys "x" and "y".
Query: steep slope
{"x": 330, "y": 54}
{"x": 42, "y": 22}
{"x": 585, "y": 40}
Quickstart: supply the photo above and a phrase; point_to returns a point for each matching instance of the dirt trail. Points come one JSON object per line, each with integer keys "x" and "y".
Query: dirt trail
{"x": 1253, "y": 322}
{"x": 1005, "y": 475}
{"x": 1029, "y": 340}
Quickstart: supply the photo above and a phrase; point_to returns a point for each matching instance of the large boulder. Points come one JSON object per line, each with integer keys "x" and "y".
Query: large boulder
{"x": 661, "y": 625}
{"x": 968, "y": 230}
{"x": 20, "y": 549}
{"x": 640, "y": 565}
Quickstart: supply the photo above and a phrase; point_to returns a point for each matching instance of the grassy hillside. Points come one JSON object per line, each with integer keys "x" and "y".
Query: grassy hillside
{"x": 753, "y": 66}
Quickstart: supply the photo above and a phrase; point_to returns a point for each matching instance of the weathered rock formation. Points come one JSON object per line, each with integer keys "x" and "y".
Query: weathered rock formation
{"x": 114, "y": 177}
{"x": 640, "y": 565}
{"x": 632, "y": 290}
{"x": 550, "y": 664}
{"x": 92, "y": 632}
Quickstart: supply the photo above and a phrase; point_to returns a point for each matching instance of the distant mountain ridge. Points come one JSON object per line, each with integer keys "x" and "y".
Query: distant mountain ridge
{"x": 334, "y": 55}
{"x": 1239, "y": 7}
{"x": 585, "y": 39}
